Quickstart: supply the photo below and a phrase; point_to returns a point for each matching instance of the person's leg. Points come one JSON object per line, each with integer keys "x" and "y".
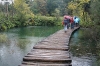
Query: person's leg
{"x": 65, "y": 28}
{"x": 68, "y": 25}
{"x": 72, "y": 25}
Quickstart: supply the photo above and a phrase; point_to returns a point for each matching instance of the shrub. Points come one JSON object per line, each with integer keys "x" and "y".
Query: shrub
{"x": 45, "y": 21}
{"x": 3, "y": 38}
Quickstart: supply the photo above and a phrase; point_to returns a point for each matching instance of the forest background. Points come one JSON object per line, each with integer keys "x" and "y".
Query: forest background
{"x": 48, "y": 12}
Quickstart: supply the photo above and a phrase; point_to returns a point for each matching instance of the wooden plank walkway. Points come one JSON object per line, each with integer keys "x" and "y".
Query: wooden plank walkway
{"x": 52, "y": 51}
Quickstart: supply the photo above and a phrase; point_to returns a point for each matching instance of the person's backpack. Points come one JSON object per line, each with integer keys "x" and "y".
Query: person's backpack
{"x": 66, "y": 21}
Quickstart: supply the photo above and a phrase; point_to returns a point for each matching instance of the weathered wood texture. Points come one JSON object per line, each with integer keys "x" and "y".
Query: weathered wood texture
{"x": 52, "y": 51}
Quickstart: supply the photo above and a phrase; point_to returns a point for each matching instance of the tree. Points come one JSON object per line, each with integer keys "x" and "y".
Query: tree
{"x": 22, "y": 11}
{"x": 79, "y": 8}
{"x": 51, "y": 6}
{"x": 95, "y": 11}
{"x": 39, "y": 6}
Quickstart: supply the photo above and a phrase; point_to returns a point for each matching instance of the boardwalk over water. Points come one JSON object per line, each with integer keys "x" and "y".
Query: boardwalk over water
{"x": 52, "y": 51}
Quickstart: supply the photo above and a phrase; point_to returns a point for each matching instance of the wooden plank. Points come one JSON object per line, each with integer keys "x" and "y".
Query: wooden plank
{"x": 44, "y": 64}
{"x": 52, "y": 47}
{"x": 38, "y": 59}
{"x": 27, "y": 65}
{"x": 48, "y": 55}
{"x": 48, "y": 65}
{"x": 48, "y": 52}
{"x": 55, "y": 65}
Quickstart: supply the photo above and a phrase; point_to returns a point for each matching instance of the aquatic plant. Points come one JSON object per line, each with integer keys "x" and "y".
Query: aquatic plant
{"x": 3, "y": 38}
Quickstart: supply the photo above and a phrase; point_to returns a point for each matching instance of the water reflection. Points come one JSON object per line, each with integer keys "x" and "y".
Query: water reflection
{"x": 81, "y": 61}
{"x": 84, "y": 52}
{"x": 20, "y": 41}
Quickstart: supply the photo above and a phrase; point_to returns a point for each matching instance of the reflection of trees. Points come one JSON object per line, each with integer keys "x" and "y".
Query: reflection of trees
{"x": 83, "y": 49}
{"x": 86, "y": 44}
{"x": 39, "y": 31}
{"x": 22, "y": 43}
{"x": 3, "y": 38}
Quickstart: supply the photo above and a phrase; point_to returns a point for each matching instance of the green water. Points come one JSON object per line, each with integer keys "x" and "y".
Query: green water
{"x": 83, "y": 51}
{"x": 17, "y": 42}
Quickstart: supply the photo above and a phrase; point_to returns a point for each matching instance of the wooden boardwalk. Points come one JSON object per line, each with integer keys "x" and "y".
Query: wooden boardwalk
{"x": 52, "y": 51}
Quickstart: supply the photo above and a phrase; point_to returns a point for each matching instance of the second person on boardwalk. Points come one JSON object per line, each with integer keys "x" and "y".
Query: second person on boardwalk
{"x": 66, "y": 21}
{"x": 76, "y": 20}
{"x": 72, "y": 23}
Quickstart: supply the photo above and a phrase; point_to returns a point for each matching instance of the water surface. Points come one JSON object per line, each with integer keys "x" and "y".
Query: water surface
{"x": 19, "y": 41}
{"x": 82, "y": 52}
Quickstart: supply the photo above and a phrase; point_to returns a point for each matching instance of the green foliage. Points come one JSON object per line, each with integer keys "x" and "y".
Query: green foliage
{"x": 23, "y": 11}
{"x": 79, "y": 8}
{"x": 95, "y": 11}
{"x": 3, "y": 38}
{"x": 40, "y": 6}
{"x": 87, "y": 10}
{"x": 48, "y": 7}
{"x": 15, "y": 15}
{"x": 51, "y": 6}
{"x": 19, "y": 13}
{"x": 5, "y": 23}
{"x": 22, "y": 43}
{"x": 45, "y": 21}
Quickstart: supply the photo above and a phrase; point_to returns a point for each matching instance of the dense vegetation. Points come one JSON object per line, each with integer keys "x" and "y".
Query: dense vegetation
{"x": 32, "y": 12}
{"x": 14, "y": 15}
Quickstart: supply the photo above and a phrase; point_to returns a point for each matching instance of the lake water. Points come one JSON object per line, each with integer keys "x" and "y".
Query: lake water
{"x": 20, "y": 41}
{"x": 82, "y": 52}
